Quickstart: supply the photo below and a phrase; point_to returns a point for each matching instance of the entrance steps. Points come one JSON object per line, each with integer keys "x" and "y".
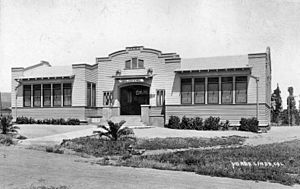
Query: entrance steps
{"x": 132, "y": 121}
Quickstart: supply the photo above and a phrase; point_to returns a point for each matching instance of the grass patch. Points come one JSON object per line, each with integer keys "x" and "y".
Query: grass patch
{"x": 103, "y": 147}
{"x": 179, "y": 143}
{"x": 273, "y": 162}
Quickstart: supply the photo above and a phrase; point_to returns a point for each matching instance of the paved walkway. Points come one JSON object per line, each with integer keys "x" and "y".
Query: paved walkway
{"x": 276, "y": 134}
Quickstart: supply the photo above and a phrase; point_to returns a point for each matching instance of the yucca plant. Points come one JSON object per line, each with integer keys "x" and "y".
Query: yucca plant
{"x": 7, "y": 126}
{"x": 114, "y": 130}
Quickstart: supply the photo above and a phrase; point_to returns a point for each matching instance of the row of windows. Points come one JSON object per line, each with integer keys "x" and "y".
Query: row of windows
{"x": 134, "y": 63}
{"x": 213, "y": 90}
{"x": 41, "y": 95}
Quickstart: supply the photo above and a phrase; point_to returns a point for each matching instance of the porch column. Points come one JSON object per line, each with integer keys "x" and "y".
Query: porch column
{"x": 233, "y": 90}
{"x": 193, "y": 93}
{"x": 51, "y": 94}
{"x": 42, "y": 95}
{"x": 206, "y": 81}
{"x": 220, "y": 90}
{"x": 61, "y": 95}
{"x": 31, "y": 96}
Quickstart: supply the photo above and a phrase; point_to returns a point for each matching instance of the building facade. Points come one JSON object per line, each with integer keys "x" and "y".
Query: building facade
{"x": 146, "y": 82}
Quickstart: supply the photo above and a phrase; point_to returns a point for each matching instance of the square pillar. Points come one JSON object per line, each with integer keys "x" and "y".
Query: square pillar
{"x": 31, "y": 96}
{"x": 220, "y": 90}
{"x": 61, "y": 95}
{"x": 205, "y": 96}
{"x": 145, "y": 114}
{"x": 233, "y": 90}
{"x": 42, "y": 95}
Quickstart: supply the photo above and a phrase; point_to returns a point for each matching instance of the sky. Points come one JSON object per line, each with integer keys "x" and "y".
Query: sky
{"x": 64, "y": 32}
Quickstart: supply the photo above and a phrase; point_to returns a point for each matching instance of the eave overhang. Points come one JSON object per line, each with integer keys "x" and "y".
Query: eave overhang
{"x": 44, "y": 78}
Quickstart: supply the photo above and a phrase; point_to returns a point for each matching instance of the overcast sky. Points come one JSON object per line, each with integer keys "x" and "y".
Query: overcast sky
{"x": 67, "y": 32}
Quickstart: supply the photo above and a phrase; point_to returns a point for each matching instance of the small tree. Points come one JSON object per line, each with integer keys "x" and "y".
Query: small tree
{"x": 114, "y": 131}
{"x": 276, "y": 104}
{"x": 7, "y": 126}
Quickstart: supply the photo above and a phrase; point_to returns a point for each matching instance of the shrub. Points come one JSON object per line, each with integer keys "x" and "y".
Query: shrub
{"x": 198, "y": 123}
{"x": 72, "y": 121}
{"x": 6, "y": 139}
{"x": 114, "y": 130}
{"x": 174, "y": 122}
{"x": 250, "y": 124}
{"x": 61, "y": 121}
{"x": 225, "y": 126}
{"x": 187, "y": 123}
{"x": 6, "y": 125}
{"x": 212, "y": 123}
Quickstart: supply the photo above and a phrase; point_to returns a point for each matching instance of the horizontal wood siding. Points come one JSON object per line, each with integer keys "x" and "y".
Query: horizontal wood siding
{"x": 233, "y": 113}
{"x": 258, "y": 70}
{"x": 155, "y": 110}
{"x": 19, "y": 91}
{"x": 48, "y": 113}
{"x": 79, "y": 87}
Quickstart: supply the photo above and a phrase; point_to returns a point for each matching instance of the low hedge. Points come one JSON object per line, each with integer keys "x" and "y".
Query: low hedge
{"x": 61, "y": 121}
{"x": 249, "y": 124}
{"x": 196, "y": 123}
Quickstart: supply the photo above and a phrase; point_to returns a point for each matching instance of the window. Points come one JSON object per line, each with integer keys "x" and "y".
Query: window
{"x": 88, "y": 94}
{"x": 27, "y": 95}
{"x": 56, "y": 94}
{"x": 186, "y": 91}
{"x": 37, "y": 95}
{"x": 134, "y": 63}
{"x": 227, "y": 90}
{"x": 241, "y": 89}
{"x": 67, "y": 92}
{"x": 107, "y": 98}
{"x": 199, "y": 88}
{"x": 213, "y": 90}
{"x": 160, "y": 97}
{"x": 47, "y": 95}
{"x": 93, "y": 94}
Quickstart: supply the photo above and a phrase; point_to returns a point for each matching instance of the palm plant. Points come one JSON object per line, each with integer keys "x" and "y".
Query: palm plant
{"x": 114, "y": 131}
{"x": 6, "y": 125}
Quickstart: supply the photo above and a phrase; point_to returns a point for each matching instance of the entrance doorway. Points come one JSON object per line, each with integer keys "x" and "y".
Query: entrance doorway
{"x": 132, "y": 97}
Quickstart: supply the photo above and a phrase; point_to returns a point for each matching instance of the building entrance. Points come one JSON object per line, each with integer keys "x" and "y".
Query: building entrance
{"x": 132, "y": 97}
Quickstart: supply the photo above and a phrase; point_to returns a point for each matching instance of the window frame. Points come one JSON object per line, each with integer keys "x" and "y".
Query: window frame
{"x": 222, "y": 90}
{"x": 160, "y": 97}
{"x": 69, "y": 86}
{"x": 195, "y": 92}
{"x": 246, "y": 82}
{"x": 139, "y": 64}
{"x": 37, "y": 87}
{"x": 24, "y": 96}
{"x": 218, "y": 91}
{"x": 53, "y": 94}
{"x": 181, "y": 92}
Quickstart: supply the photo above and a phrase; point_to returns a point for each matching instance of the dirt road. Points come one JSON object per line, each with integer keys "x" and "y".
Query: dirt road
{"x": 21, "y": 168}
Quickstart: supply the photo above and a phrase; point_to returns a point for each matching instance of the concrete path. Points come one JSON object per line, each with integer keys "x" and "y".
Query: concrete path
{"x": 22, "y": 168}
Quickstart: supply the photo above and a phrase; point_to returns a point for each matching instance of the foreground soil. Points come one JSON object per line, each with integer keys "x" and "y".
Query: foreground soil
{"x": 21, "y": 168}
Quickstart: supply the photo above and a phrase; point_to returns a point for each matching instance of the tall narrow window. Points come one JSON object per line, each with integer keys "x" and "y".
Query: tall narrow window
{"x": 107, "y": 98}
{"x": 199, "y": 90}
{"x": 160, "y": 97}
{"x": 227, "y": 90}
{"x": 67, "y": 92}
{"x": 56, "y": 94}
{"x": 213, "y": 90}
{"x": 88, "y": 94}
{"x": 141, "y": 63}
{"x": 186, "y": 91}
{"x": 93, "y": 94}
{"x": 134, "y": 63}
{"x": 241, "y": 89}
{"x": 46, "y": 95}
{"x": 37, "y": 95}
{"x": 127, "y": 64}
{"x": 27, "y": 95}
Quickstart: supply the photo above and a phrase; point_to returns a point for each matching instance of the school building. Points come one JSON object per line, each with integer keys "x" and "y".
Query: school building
{"x": 148, "y": 83}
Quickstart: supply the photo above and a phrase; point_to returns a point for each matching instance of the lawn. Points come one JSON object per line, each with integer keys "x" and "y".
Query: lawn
{"x": 279, "y": 162}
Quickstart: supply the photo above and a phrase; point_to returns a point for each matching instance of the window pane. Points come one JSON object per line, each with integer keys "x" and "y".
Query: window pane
{"x": 141, "y": 64}
{"x": 56, "y": 95}
{"x": 107, "y": 98}
{"x": 213, "y": 90}
{"x": 226, "y": 93}
{"x": 199, "y": 91}
{"x": 186, "y": 91}
{"x": 47, "y": 95}
{"x": 88, "y": 94}
{"x": 127, "y": 64}
{"x": 134, "y": 63}
{"x": 27, "y": 95}
{"x": 93, "y": 95}
{"x": 67, "y": 94}
{"x": 37, "y": 95}
{"x": 241, "y": 92}
{"x": 160, "y": 97}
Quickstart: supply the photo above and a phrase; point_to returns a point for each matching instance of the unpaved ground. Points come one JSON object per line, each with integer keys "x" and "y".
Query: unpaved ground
{"x": 20, "y": 168}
